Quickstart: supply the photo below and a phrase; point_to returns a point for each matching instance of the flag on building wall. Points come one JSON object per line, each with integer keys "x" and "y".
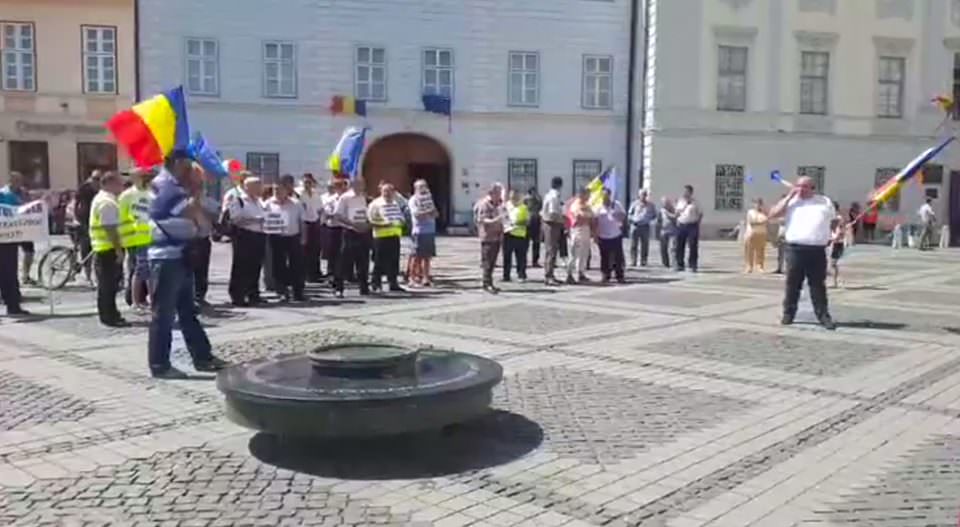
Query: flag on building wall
{"x": 152, "y": 129}
{"x": 345, "y": 158}
{"x": 441, "y": 104}
{"x": 348, "y": 106}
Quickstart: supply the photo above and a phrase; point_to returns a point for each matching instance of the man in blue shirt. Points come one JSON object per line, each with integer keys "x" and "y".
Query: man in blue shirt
{"x": 10, "y": 196}
{"x": 176, "y": 220}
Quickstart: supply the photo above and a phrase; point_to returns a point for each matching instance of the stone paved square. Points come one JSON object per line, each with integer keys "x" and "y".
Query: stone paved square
{"x": 789, "y": 354}
{"x": 524, "y": 318}
{"x": 598, "y": 422}
{"x": 920, "y": 489}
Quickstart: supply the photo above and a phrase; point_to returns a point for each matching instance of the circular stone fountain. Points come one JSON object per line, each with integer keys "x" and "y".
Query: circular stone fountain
{"x": 359, "y": 390}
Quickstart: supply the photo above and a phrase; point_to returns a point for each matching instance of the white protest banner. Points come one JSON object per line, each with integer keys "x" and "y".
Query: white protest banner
{"x": 26, "y": 223}
{"x": 275, "y": 223}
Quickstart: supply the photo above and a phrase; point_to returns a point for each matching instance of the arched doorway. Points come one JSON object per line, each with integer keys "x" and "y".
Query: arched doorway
{"x": 404, "y": 158}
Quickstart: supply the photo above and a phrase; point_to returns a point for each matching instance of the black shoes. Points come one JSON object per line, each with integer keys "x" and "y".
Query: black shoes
{"x": 171, "y": 374}
{"x": 212, "y": 365}
{"x": 786, "y": 320}
{"x": 17, "y": 312}
{"x": 116, "y": 323}
{"x": 827, "y": 323}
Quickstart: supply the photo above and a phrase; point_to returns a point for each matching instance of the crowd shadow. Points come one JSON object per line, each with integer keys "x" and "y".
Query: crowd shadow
{"x": 871, "y": 324}
{"x": 494, "y": 439}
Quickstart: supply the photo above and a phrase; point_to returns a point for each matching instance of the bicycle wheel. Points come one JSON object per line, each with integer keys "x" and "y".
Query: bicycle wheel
{"x": 56, "y": 268}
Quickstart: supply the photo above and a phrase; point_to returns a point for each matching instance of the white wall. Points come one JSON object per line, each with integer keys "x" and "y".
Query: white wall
{"x": 690, "y": 137}
{"x": 486, "y": 131}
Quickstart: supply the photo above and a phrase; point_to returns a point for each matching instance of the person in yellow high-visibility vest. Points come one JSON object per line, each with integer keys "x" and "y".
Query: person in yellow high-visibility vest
{"x": 515, "y": 241}
{"x": 135, "y": 235}
{"x": 107, "y": 248}
{"x": 386, "y": 217}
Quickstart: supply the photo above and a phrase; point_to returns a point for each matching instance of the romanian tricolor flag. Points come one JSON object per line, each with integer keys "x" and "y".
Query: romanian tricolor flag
{"x": 891, "y": 187}
{"x": 154, "y": 128}
{"x": 348, "y": 106}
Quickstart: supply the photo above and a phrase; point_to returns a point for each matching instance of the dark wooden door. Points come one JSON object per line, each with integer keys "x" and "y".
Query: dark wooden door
{"x": 437, "y": 177}
{"x": 953, "y": 211}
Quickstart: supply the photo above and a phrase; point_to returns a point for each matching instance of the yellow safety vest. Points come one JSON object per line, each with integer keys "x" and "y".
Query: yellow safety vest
{"x": 135, "y": 230}
{"x": 99, "y": 241}
{"x": 385, "y": 231}
{"x": 518, "y": 228}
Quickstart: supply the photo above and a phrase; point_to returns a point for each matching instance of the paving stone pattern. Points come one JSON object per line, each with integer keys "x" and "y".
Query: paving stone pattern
{"x": 601, "y": 419}
{"x": 195, "y": 486}
{"x": 25, "y": 403}
{"x": 582, "y": 414}
{"x": 922, "y": 489}
{"x": 810, "y": 356}
{"x": 525, "y": 318}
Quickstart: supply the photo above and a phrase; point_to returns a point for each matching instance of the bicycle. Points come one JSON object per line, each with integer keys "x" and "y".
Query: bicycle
{"x": 59, "y": 265}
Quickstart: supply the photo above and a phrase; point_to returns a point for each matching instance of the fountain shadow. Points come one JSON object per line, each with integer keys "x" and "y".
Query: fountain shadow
{"x": 494, "y": 439}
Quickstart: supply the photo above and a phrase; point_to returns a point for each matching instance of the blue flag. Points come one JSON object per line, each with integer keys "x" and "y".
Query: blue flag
{"x": 206, "y": 156}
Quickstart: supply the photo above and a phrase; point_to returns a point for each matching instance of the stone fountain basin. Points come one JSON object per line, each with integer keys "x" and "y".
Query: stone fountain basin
{"x": 386, "y": 392}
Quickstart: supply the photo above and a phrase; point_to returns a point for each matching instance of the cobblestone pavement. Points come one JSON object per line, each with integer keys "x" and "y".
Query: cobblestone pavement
{"x": 675, "y": 400}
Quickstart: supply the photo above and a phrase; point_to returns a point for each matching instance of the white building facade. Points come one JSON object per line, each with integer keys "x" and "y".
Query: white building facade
{"x": 836, "y": 89}
{"x": 539, "y": 89}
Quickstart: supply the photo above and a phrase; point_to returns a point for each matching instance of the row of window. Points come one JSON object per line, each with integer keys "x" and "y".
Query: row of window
{"x": 31, "y": 158}
{"x": 18, "y": 57}
{"x": 438, "y": 73}
{"x": 729, "y": 181}
{"x": 814, "y": 82}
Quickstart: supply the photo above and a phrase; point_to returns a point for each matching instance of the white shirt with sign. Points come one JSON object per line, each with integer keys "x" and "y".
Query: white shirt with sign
{"x": 353, "y": 209}
{"x": 808, "y": 221}
{"x": 609, "y": 220}
{"x": 328, "y": 205}
{"x": 312, "y": 204}
{"x": 283, "y": 219}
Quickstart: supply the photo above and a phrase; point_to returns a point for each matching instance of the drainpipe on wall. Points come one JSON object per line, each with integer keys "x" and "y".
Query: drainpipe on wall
{"x": 644, "y": 74}
{"x": 631, "y": 95}
{"x": 136, "y": 50}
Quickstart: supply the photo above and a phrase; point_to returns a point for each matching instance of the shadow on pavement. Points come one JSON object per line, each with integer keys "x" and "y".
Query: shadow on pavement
{"x": 495, "y": 439}
{"x": 866, "y": 324}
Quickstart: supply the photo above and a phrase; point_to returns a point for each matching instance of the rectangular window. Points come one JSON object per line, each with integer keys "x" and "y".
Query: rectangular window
{"x": 814, "y": 76}
{"x": 203, "y": 66}
{"x": 932, "y": 174}
{"x": 95, "y": 156}
{"x": 370, "y": 82}
{"x": 597, "y": 82}
{"x": 524, "y": 75}
{"x": 728, "y": 186}
{"x": 521, "y": 174}
{"x": 890, "y": 94}
{"x": 99, "y": 59}
{"x": 732, "y": 79}
{"x": 438, "y": 72}
{"x": 882, "y": 176}
{"x": 18, "y": 56}
{"x": 279, "y": 69}
{"x": 264, "y": 165}
{"x": 584, "y": 170}
{"x": 817, "y": 174}
{"x": 30, "y": 158}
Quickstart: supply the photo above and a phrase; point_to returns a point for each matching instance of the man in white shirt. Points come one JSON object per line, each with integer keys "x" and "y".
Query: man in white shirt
{"x": 928, "y": 219}
{"x": 246, "y": 215}
{"x": 351, "y": 216}
{"x": 688, "y": 229}
{"x": 551, "y": 214}
{"x": 331, "y": 234}
{"x": 610, "y": 216}
{"x": 283, "y": 223}
{"x": 312, "y": 201}
{"x": 807, "y": 233}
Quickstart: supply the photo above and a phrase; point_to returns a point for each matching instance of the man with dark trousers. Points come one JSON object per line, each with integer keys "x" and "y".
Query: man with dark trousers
{"x": 351, "y": 215}
{"x": 246, "y": 214}
{"x": 807, "y": 218}
{"x": 10, "y": 252}
{"x": 107, "y": 245}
